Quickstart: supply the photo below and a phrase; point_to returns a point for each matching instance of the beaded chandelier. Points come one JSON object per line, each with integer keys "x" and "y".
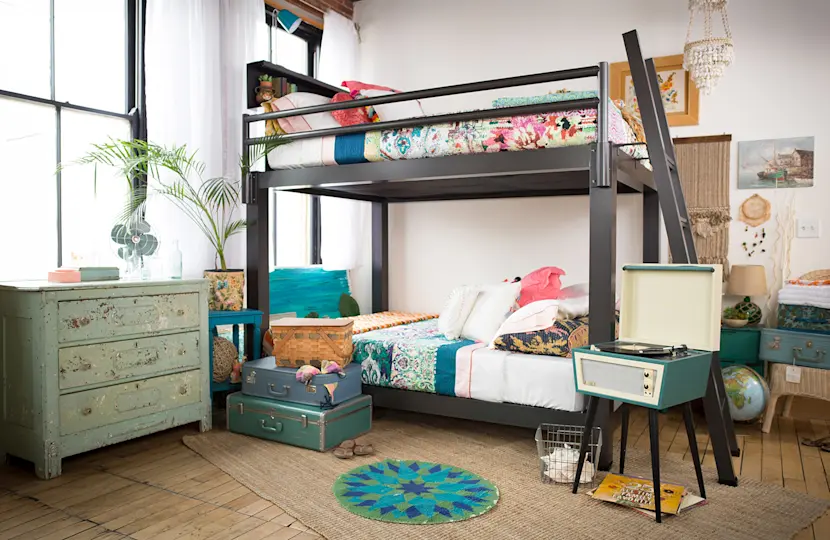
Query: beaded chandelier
{"x": 706, "y": 59}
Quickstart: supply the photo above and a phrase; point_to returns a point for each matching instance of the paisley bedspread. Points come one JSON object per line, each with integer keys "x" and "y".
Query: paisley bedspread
{"x": 412, "y": 356}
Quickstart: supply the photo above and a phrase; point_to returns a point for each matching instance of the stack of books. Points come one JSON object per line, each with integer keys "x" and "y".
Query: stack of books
{"x": 282, "y": 87}
{"x": 638, "y": 494}
{"x": 83, "y": 274}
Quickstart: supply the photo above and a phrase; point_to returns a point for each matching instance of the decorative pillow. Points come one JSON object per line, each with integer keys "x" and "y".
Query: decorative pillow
{"x": 384, "y": 113}
{"x": 457, "y": 310}
{"x": 490, "y": 310}
{"x": 546, "y": 98}
{"x": 574, "y": 291}
{"x": 560, "y": 339}
{"x": 349, "y": 117}
{"x": 306, "y": 122}
{"x": 541, "y": 284}
{"x": 534, "y": 316}
{"x": 572, "y": 308}
{"x": 395, "y": 111}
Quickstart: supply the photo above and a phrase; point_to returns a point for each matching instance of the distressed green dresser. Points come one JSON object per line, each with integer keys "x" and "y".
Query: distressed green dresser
{"x": 84, "y": 365}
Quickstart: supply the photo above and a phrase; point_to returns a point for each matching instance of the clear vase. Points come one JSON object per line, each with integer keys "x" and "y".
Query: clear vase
{"x": 174, "y": 261}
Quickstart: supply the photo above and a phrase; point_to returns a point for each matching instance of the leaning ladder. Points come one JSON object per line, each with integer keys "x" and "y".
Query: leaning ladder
{"x": 724, "y": 444}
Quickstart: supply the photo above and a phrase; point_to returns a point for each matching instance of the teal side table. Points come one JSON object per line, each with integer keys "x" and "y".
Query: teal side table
{"x": 249, "y": 321}
{"x": 740, "y": 346}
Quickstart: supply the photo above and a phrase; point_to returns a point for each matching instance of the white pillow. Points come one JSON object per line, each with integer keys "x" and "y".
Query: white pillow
{"x": 571, "y": 308}
{"x": 306, "y": 122}
{"x": 457, "y": 310}
{"x": 492, "y": 308}
{"x": 574, "y": 291}
{"x": 394, "y": 111}
{"x": 534, "y": 316}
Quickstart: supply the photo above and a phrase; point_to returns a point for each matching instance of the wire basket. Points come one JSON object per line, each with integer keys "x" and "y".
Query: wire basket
{"x": 558, "y": 449}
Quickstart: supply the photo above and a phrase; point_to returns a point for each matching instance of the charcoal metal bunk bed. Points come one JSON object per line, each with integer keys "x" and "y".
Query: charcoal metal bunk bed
{"x": 600, "y": 170}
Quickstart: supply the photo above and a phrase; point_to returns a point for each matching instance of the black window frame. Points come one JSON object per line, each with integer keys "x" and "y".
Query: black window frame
{"x": 134, "y": 98}
{"x": 313, "y": 36}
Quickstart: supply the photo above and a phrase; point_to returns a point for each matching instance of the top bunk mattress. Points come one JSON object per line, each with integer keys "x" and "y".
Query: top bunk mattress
{"x": 566, "y": 128}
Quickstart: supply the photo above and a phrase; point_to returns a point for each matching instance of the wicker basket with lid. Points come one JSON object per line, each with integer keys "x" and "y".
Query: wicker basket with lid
{"x": 299, "y": 342}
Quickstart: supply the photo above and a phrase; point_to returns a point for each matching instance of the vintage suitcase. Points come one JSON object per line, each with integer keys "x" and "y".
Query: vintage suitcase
{"x": 805, "y": 349}
{"x": 262, "y": 378}
{"x": 299, "y": 425}
{"x": 299, "y": 342}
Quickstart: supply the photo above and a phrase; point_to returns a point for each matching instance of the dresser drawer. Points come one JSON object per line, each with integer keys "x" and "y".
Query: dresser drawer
{"x": 117, "y": 360}
{"x": 803, "y": 349}
{"x": 112, "y": 404}
{"x": 80, "y": 320}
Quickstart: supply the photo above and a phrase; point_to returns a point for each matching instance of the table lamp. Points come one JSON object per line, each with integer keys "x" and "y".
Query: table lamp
{"x": 748, "y": 280}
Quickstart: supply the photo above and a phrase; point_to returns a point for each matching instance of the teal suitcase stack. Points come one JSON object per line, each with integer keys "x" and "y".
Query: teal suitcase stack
{"x": 299, "y": 425}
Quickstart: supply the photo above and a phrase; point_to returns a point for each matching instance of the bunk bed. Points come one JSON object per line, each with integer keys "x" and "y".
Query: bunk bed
{"x": 600, "y": 170}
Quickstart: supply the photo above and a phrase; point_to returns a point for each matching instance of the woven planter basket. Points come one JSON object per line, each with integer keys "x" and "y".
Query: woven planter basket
{"x": 816, "y": 275}
{"x": 299, "y": 342}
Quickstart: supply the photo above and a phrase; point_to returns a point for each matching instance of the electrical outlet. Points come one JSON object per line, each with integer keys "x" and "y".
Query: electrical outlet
{"x": 808, "y": 228}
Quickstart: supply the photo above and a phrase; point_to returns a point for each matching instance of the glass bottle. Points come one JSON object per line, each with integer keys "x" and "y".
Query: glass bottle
{"x": 174, "y": 261}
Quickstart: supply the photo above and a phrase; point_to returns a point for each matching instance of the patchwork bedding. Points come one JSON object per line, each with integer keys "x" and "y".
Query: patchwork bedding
{"x": 418, "y": 357}
{"x": 568, "y": 128}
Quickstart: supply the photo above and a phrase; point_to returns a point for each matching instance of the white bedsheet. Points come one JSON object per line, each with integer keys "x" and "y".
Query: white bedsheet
{"x": 525, "y": 379}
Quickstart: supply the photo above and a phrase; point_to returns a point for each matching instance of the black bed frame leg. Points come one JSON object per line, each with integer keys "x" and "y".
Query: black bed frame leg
{"x": 380, "y": 257}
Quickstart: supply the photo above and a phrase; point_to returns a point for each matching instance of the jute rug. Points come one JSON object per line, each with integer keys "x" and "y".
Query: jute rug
{"x": 300, "y": 481}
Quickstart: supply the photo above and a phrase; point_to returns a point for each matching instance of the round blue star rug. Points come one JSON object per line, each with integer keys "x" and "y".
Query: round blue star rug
{"x": 414, "y": 492}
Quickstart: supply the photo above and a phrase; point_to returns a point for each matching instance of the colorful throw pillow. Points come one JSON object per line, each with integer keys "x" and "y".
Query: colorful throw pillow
{"x": 541, "y": 284}
{"x": 492, "y": 307}
{"x": 389, "y": 111}
{"x": 457, "y": 310}
{"x": 546, "y": 98}
{"x": 349, "y": 117}
{"x": 306, "y": 122}
{"x": 559, "y": 339}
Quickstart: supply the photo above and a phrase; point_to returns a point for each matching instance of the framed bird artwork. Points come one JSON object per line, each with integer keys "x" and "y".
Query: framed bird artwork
{"x": 680, "y": 95}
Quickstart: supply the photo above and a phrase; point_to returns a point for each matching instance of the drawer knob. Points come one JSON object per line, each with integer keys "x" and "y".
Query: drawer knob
{"x": 183, "y": 390}
{"x": 86, "y": 411}
{"x": 182, "y": 351}
{"x": 180, "y": 313}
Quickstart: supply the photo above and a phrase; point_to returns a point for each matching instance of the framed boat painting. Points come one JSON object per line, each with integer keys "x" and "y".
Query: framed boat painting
{"x": 776, "y": 163}
{"x": 680, "y": 95}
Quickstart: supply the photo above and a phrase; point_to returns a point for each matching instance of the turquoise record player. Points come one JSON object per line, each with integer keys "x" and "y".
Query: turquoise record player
{"x": 669, "y": 328}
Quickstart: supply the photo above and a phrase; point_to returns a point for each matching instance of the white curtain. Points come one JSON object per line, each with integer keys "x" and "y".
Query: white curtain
{"x": 195, "y": 57}
{"x": 343, "y": 222}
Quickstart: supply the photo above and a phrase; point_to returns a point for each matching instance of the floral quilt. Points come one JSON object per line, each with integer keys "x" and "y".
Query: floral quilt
{"x": 568, "y": 128}
{"x": 410, "y": 357}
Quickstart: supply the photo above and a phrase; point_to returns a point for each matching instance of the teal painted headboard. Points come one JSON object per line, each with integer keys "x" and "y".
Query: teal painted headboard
{"x": 303, "y": 290}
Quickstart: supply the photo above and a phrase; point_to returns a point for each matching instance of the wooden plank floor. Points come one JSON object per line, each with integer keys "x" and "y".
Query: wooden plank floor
{"x": 155, "y": 488}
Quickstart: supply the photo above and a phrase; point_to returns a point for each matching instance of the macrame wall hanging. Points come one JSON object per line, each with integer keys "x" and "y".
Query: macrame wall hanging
{"x": 706, "y": 59}
{"x": 703, "y": 163}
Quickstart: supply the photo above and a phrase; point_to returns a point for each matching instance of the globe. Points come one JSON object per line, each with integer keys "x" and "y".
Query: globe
{"x": 747, "y": 391}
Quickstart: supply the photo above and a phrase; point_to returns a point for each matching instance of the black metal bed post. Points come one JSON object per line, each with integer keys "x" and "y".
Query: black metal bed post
{"x": 603, "y": 252}
{"x": 380, "y": 257}
{"x": 651, "y": 226}
{"x": 256, "y": 240}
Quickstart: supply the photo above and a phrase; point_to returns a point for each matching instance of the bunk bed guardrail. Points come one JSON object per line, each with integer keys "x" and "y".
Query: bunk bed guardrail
{"x": 600, "y": 103}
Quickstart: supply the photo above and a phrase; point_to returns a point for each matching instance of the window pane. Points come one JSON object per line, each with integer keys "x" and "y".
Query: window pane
{"x": 24, "y": 46}
{"x": 90, "y": 51}
{"x": 29, "y": 243}
{"x": 290, "y": 51}
{"x": 293, "y": 238}
{"x": 91, "y": 198}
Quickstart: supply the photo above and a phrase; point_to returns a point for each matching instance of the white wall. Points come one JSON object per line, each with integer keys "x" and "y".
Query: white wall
{"x": 781, "y": 51}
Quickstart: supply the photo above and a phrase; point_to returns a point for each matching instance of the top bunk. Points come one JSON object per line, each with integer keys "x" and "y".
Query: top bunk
{"x": 556, "y": 144}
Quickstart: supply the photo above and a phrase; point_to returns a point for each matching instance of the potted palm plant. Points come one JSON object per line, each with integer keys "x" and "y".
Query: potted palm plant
{"x": 210, "y": 204}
